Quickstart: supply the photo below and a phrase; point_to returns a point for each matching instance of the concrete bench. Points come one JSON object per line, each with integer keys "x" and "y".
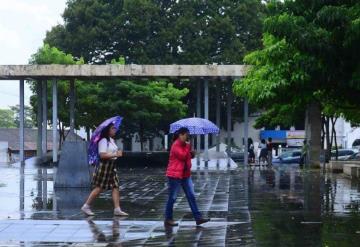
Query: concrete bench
{"x": 337, "y": 166}
{"x": 352, "y": 170}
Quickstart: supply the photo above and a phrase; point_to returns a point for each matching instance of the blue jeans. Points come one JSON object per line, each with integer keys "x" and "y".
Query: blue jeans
{"x": 174, "y": 187}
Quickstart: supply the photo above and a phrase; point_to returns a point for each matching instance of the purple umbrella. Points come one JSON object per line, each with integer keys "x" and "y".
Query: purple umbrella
{"x": 93, "y": 151}
{"x": 196, "y": 126}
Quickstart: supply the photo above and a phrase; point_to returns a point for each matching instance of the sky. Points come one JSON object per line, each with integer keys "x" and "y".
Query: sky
{"x": 23, "y": 25}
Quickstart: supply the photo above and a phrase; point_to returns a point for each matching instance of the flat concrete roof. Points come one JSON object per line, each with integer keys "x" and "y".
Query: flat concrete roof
{"x": 16, "y": 72}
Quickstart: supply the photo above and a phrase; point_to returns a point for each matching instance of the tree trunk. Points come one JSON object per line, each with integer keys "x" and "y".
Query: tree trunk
{"x": 323, "y": 132}
{"x": 331, "y": 134}
{"x": 141, "y": 136}
{"x": 88, "y": 134}
{"x": 333, "y": 121}
{"x": 59, "y": 135}
{"x": 327, "y": 135}
{"x": 313, "y": 133}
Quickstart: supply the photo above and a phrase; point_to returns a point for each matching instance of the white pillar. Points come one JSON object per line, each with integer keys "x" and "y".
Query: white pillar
{"x": 44, "y": 117}
{"x": 246, "y": 130}
{"x": 166, "y": 142}
{"x": 206, "y": 116}
{"x": 218, "y": 115}
{"x": 21, "y": 115}
{"x": 54, "y": 120}
{"x": 198, "y": 114}
{"x": 228, "y": 112}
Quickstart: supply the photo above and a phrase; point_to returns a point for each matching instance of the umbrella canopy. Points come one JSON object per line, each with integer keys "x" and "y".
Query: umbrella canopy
{"x": 93, "y": 154}
{"x": 196, "y": 126}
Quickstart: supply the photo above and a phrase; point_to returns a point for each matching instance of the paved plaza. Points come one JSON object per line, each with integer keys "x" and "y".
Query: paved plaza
{"x": 278, "y": 206}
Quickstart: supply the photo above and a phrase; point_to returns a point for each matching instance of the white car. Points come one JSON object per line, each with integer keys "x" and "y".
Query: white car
{"x": 343, "y": 154}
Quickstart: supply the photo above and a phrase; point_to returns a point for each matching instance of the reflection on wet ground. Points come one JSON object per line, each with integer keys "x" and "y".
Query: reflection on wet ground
{"x": 278, "y": 206}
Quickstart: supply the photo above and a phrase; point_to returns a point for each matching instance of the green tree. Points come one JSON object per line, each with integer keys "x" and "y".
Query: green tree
{"x": 7, "y": 119}
{"x": 159, "y": 31}
{"x": 147, "y": 106}
{"x": 163, "y": 32}
{"x": 28, "y": 116}
{"x": 308, "y": 61}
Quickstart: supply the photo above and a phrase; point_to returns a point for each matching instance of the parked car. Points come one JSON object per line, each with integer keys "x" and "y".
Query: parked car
{"x": 356, "y": 144}
{"x": 236, "y": 154}
{"x": 288, "y": 157}
{"x": 343, "y": 154}
{"x": 355, "y": 156}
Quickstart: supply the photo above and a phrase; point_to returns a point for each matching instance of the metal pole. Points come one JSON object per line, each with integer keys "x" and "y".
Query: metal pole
{"x": 72, "y": 106}
{"x": 54, "y": 120}
{"x": 228, "y": 111}
{"x": 44, "y": 118}
{"x": 198, "y": 114}
{"x": 218, "y": 116}
{"x": 246, "y": 131}
{"x": 21, "y": 115}
{"x": 206, "y": 115}
{"x": 39, "y": 119}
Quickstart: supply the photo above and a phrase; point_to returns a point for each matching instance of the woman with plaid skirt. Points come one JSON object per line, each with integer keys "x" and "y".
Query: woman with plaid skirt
{"x": 105, "y": 175}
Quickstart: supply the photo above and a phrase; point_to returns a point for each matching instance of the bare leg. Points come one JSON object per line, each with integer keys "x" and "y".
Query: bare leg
{"x": 116, "y": 197}
{"x": 94, "y": 193}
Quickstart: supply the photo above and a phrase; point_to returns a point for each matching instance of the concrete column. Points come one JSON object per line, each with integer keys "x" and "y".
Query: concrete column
{"x": 228, "y": 113}
{"x": 54, "y": 120}
{"x": 22, "y": 191}
{"x": 44, "y": 117}
{"x": 198, "y": 114}
{"x": 44, "y": 191}
{"x": 21, "y": 115}
{"x": 218, "y": 87}
{"x": 72, "y": 106}
{"x": 313, "y": 133}
{"x": 206, "y": 115}
{"x": 292, "y": 180}
{"x": 246, "y": 131}
{"x": 39, "y": 118}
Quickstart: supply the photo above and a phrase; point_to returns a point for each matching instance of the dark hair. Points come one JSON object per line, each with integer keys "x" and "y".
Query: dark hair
{"x": 181, "y": 131}
{"x": 250, "y": 141}
{"x": 263, "y": 141}
{"x": 270, "y": 139}
{"x": 105, "y": 132}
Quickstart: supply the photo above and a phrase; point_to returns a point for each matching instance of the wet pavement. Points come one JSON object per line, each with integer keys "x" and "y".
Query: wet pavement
{"x": 278, "y": 206}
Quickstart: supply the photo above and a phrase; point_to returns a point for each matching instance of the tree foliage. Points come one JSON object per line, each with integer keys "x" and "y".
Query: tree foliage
{"x": 309, "y": 54}
{"x": 159, "y": 31}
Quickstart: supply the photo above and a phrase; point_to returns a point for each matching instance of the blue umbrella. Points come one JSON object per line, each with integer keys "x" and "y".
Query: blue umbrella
{"x": 196, "y": 126}
{"x": 93, "y": 154}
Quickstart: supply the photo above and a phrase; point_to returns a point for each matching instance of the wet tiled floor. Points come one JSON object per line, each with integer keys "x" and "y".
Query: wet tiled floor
{"x": 278, "y": 206}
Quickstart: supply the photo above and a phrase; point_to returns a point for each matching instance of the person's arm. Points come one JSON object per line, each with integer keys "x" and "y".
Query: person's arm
{"x": 108, "y": 156}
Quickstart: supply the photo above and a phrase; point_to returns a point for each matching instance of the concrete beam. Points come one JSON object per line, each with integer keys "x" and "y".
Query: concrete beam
{"x": 14, "y": 72}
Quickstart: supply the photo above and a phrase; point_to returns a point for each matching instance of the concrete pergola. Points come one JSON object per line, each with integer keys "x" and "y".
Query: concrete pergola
{"x": 43, "y": 73}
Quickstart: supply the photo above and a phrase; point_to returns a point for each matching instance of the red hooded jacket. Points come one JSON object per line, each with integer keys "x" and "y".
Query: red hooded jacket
{"x": 180, "y": 160}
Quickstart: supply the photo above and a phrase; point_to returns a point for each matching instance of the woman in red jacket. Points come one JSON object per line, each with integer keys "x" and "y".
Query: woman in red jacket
{"x": 178, "y": 174}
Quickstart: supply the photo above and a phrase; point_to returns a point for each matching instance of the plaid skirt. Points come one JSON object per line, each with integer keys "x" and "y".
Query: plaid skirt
{"x": 105, "y": 175}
